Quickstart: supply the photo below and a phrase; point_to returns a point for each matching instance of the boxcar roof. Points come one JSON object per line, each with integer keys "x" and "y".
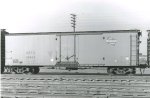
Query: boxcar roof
{"x": 74, "y": 33}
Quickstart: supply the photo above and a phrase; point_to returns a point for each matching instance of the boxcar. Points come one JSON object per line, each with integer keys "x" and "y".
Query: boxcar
{"x": 118, "y": 50}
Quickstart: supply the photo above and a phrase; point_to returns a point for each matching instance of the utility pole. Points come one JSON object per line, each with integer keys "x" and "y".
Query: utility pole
{"x": 73, "y": 22}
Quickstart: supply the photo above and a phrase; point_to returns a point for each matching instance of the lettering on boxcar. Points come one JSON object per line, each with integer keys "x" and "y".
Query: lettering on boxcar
{"x": 111, "y": 41}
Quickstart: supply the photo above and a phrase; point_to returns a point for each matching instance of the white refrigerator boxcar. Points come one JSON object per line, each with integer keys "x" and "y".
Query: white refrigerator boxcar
{"x": 107, "y": 49}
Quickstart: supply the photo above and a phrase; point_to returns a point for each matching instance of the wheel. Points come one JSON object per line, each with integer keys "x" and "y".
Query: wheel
{"x": 111, "y": 71}
{"x": 36, "y": 70}
{"x": 128, "y": 71}
{"x": 133, "y": 71}
{"x": 108, "y": 70}
{"x": 25, "y": 70}
{"x": 7, "y": 69}
{"x": 121, "y": 71}
{"x": 31, "y": 70}
{"x": 14, "y": 70}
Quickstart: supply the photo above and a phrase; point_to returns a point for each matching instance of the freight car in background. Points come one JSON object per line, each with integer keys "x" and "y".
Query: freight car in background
{"x": 148, "y": 47}
{"x": 117, "y": 50}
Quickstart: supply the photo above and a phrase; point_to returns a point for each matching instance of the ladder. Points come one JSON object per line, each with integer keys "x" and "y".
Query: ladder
{"x": 134, "y": 50}
{"x": 148, "y": 51}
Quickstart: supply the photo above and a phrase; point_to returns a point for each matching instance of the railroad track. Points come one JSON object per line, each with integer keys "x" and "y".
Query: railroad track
{"x": 75, "y": 86}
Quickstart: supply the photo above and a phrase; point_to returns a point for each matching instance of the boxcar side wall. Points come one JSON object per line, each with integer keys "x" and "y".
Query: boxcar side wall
{"x": 31, "y": 50}
{"x": 108, "y": 49}
{"x": 114, "y": 49}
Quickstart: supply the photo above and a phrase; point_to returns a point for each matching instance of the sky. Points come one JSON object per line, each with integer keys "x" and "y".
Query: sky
{"x": 19, "y": 16}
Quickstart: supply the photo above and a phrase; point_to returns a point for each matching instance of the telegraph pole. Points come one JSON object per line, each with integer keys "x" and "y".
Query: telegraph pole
{"x": 73, "y": 22}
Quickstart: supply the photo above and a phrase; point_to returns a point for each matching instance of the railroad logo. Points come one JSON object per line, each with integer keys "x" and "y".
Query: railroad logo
{"x": 111, "y": 41}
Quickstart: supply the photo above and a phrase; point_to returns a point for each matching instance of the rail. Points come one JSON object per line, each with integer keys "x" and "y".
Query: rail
{"x": 75, "y": 86}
